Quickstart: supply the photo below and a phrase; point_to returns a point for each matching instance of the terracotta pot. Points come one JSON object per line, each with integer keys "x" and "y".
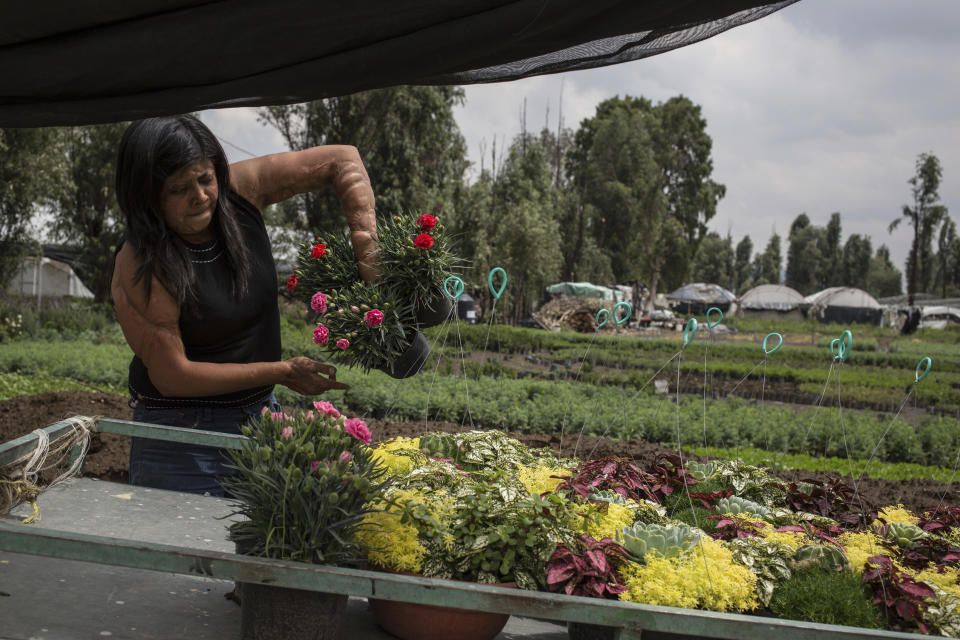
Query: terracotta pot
{"x": 410, "y": 361}
{"x": 278, "y": 613}
{"x": 434, "y": 315}
{"x": 410, "y": 621}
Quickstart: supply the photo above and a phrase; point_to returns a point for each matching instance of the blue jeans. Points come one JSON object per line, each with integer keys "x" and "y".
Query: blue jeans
{"x": 184, "y": 467}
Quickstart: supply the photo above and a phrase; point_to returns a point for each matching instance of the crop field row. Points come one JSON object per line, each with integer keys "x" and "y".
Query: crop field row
{"x": 492, "y": 398}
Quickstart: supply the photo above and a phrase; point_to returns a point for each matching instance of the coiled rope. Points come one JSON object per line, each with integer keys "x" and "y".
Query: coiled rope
{"x": 23, "y": 480}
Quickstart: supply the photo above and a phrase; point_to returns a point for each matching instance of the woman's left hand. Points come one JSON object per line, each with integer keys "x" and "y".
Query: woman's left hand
{"x": 306, "y": 377}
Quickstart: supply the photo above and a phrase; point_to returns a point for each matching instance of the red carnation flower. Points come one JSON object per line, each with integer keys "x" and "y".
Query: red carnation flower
{"x": 423, "y": 241}
{"x": 426, "y": 222}
{"x": 318, "y": 251}
{"x": 292, "y": 283}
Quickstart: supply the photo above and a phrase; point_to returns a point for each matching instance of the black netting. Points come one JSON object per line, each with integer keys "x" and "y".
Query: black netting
{"x": 87, "y": 61}
{"x": 614, "y": 50}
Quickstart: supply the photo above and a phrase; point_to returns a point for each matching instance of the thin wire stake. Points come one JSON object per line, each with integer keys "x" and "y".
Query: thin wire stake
{"x": 466, "y": 379}
{"x": 626, "y": 405}
{"x": 816, "y": 409}
{"x": 576, "y": 379}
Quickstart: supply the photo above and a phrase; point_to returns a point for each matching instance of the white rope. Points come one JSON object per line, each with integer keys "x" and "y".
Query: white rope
{"x": 27, "y": 477}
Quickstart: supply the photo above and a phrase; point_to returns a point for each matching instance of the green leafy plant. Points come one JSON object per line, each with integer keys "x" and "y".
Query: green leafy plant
{"x": 489, "y": 538}
{"x": 303, "y": 483}
{"x": 828, "y": 597}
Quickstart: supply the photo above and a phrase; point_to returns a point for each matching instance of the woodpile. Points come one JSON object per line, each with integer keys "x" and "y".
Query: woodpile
{"x": 576, "y": 314}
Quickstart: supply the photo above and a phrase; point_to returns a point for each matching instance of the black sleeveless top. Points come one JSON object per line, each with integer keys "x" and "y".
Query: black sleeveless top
{"x": 221, "y": 327}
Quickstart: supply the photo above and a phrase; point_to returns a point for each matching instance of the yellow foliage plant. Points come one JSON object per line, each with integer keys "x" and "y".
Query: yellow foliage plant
{"x": 707, "y": 578}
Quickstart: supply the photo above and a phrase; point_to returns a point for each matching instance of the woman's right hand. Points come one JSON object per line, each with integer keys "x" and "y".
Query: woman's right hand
{"x": 306, "y": 377}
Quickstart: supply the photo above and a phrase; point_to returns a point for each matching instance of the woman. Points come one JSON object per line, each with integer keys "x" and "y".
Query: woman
{"x": 195, "y": 287}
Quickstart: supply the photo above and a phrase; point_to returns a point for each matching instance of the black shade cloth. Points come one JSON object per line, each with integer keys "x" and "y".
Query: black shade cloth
{"x": 89, "y": 61}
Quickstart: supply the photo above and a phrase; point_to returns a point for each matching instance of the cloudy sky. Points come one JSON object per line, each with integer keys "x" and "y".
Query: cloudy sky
{"x": 821, "y": 107}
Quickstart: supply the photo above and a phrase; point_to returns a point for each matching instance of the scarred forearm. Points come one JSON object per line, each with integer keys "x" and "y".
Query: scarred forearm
{"x": 274, "y": 178}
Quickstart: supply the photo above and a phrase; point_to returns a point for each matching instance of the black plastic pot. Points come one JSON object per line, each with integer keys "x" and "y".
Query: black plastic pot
{"x": 431, "y": 316}
{"x": 278, "y": 613}
{"x": 410, "y": 361}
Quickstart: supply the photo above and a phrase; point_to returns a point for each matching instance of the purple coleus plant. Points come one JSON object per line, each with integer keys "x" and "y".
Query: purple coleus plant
{"x": 902, "y": 597}
{"x": 620, "y": 475}
{"x": 590, "y": 569}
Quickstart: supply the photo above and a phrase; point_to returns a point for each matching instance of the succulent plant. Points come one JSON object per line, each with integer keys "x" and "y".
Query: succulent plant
{"x": 701, "y": 470}
{"x": 668, "y": 541}
{"x": 742, "y": 507}
{"x": 903, "y": 533}
{"x": 826, "y": 556}
{"x": 606, "y": 496}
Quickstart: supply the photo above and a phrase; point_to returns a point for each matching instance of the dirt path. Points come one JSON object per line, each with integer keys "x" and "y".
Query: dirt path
{"x": 109, "y": 453}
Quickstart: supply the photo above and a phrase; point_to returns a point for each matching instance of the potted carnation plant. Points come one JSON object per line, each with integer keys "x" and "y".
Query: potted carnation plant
{"x": 303, "y": 485}
{"x": 376, "y": 325}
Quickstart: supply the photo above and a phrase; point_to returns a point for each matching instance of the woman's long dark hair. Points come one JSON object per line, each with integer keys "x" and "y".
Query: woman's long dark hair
{"x": 150, "y": 151}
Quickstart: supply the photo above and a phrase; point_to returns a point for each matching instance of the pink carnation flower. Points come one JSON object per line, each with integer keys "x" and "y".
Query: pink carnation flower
{"x": 354, "y": 308}
{"x": 319, "y": 302}
{"x": 276, "y": 415}
{"x": 343, "y": 343}
{"x": 339, "y": 312}
{"x": 265, "y": 411}
{"x": 345, "y": 457}
{"x": 321, "y": 334}
{"x": 314, "y": 465}
{"x": 373, "y": 318}
{"x": 358, "y": 429}
{"x": 287, "y": 432}
{"x": 309, "y": 415}
{"x": 326, "y": 408}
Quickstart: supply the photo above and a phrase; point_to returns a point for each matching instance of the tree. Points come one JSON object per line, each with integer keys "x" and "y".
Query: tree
{"x": 924, "y": 216}
{"x": 643, "y": 172}
{"x": 855, "y": 262}
{"x": 30, "y": 173}
{"x": 947, "y": 258}
{"x": 766, "y": 266}
{"x": 408, "y": 139}
{"x": 805, "y": 256}
{"x": 883, "y": 279}
{"x": 510, "y": 221}
{"x": 832, "y": 253}
{"x": 88, "y": 215}
{"x": 741, "y": 269}
{"x": 715, "y": 261}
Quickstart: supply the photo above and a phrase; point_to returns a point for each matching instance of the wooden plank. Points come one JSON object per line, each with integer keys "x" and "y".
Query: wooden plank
{"x": 632, "y": 619}
{"x": 173, "y": 434}
{"x": 24, "y": 445}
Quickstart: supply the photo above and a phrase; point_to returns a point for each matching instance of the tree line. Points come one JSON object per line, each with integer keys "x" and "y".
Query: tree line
{"x": 625, "y": 197}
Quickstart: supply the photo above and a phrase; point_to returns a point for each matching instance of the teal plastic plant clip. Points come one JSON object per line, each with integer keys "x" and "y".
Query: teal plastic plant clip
{"x": 712, "y": 323}
{"x": 503, "y": 285}
{"x": 689, "y": 331}
{"x": 846, "y": 343}
{"x": 779, "y": 338}
{"x": 835, "y": 348}
{"x": 457, "y": 290}
{"x": 622, "y": 305}
{"x": 926, "y": 363}
{"x": 605, "y": 314}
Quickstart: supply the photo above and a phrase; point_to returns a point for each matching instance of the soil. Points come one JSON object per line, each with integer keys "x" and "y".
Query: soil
{"x": 109, "y": 453}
